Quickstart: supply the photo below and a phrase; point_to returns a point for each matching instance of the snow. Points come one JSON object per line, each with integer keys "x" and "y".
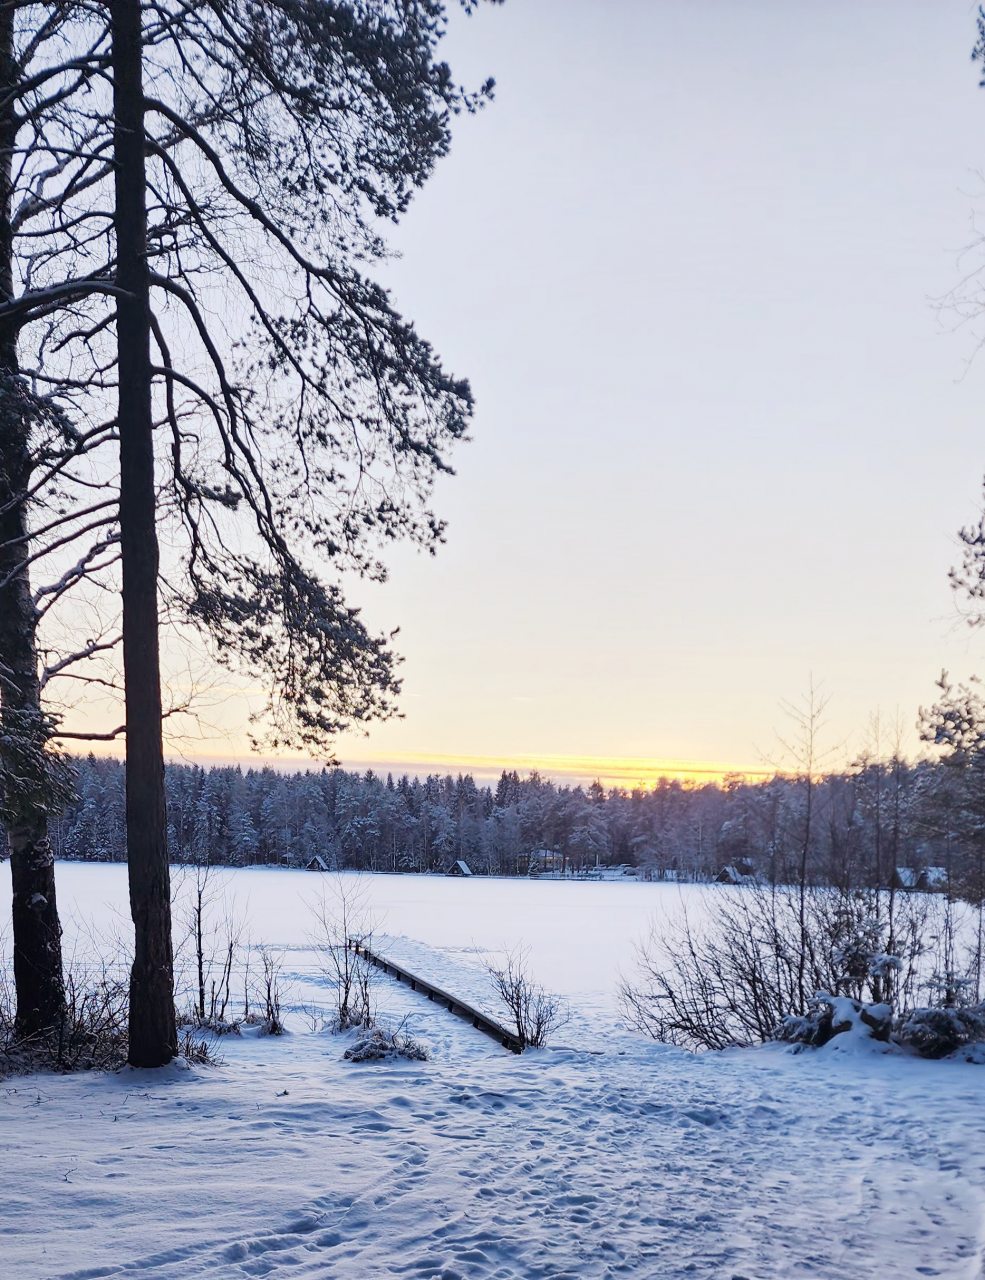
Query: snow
{"x": 610, "y": 1158}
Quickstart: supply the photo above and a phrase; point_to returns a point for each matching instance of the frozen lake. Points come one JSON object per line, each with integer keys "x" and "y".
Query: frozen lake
{"x": 580, "y": 935}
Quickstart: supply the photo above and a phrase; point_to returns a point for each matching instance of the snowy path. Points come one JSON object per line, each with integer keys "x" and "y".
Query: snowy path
{"x": 480, "y": 1165}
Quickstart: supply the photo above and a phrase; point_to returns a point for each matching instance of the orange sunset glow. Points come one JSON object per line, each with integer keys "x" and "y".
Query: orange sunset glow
{"x": 624, "y": 772}
{"x": 627, "y": 772}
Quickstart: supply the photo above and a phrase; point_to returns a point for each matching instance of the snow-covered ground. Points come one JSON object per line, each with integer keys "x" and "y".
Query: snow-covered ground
{"x": 622, "y": 1158}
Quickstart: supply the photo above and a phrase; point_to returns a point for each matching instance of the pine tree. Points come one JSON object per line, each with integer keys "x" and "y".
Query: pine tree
{"x": 302, "y": 124}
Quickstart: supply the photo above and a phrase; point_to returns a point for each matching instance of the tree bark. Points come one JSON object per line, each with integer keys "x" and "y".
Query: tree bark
{"x": 153, "y": 1036}
{"x": 38, "y": 981}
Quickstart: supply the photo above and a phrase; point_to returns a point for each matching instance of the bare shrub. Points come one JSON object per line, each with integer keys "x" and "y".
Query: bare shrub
{"x": 212, "y": 937}
{"x": 733, "y": 975}
{"x": 268, "y": 1016}
{"x": 314, "y": 1017}
{"x": 193, "y": 1048}
{"x": 92, "y": 1036}
{"x": 342, "y": 927}
{"x": 535, "y": 1014}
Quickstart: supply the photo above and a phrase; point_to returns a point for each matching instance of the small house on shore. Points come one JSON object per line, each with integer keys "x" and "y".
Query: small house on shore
{"x": 317, "y": 863}
{"x": 920, "y": 879}
{"x": 739, "y": 871}
{"x": 459, "y": 868}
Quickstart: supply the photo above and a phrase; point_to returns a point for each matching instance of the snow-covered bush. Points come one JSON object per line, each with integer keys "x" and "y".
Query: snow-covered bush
{"x": 380, "y": 1044}
{"x": 189, "y": 1020}
{"x": 949, "y": 988}
{"x": 828, "y": 1016}
{"x": 933, "y": 1032}
{"x": 855, "y": 929}
{"x": 937, "y": 1032}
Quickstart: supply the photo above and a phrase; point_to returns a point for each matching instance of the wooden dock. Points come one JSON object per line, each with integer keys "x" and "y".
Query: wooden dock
{"x": 461, "y": 1008}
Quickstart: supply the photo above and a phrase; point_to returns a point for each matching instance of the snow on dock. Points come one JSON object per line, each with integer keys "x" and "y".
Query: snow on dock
{"x": 392, "y": 959}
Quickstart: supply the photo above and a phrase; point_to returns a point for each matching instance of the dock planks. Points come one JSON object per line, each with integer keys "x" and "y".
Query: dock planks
{"x": 460, "y": 1008}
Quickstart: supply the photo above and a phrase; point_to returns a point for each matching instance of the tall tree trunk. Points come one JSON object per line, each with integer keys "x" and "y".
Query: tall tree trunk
{"x": 23, "y": 729}
{"x": 153, "y": 1037}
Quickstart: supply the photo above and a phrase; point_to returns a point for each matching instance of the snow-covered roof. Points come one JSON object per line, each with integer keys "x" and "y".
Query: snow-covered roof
{"x": 731, "y": 874}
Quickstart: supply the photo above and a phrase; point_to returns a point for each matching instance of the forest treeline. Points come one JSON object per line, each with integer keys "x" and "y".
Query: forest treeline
{"x": 862, "y": 823}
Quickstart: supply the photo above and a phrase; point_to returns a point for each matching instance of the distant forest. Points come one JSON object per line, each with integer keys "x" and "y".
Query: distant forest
{"x": 856, "y": 826}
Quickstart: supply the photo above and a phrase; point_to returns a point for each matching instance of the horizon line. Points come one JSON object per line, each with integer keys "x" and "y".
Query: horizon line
{"x": 619, "y": 771}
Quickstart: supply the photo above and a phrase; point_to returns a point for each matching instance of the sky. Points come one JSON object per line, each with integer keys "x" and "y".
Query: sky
{"x": 692, "y": 260}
